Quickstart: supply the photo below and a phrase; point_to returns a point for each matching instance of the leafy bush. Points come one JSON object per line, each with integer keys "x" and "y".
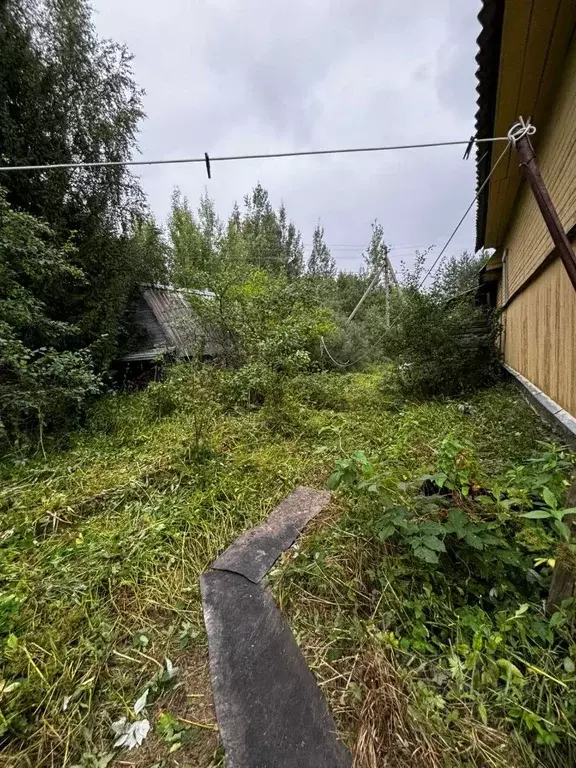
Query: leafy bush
{"x": 276, "y": 322}
{"x": 246, "y": 387}
{"x": 349, "y": 347}
{"x": 352, "y": 471}
{"x": 464, "y": 575}
{"x": 41, "y": 382}
{"x": 272, "y": 328}
{"x": 319, "y": 390}
{"x": 163, "y": 399}
{"x": 258, "y": 387}
{"x": 42, "y": 388}
{"x": 187, "y": 388}
{"x": 456, "y": 467}
{"x": 443, "y": 348}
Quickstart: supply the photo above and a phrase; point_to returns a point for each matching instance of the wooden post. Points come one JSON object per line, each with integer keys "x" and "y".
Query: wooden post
{"x": 564, "y": 573}
{"x": 532, "y": 173}
{"x": 387, "y": 288}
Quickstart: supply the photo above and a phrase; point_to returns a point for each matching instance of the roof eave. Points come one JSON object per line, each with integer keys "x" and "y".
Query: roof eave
{"x": 491, "y": 18}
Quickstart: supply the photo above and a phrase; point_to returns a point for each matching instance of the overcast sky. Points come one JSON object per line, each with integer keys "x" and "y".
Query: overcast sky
{"x": 245, "y": 76}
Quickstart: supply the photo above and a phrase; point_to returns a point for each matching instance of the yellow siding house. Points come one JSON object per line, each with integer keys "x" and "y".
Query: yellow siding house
{"x": 527, "y": 66}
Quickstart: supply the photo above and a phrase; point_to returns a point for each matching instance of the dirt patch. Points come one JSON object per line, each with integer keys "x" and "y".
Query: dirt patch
{"x": 190, "y": 704}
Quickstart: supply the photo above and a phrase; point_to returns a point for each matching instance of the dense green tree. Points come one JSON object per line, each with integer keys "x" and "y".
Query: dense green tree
{"x": 291, "y": 241}
{"x": 41, "y": 381}
{"x": 349, "y": 290}
{"x": 321, "y": 262}
{"x": 68, "y": 96}
{"x": 210, "y": 226}
{"x": 195, "y": 241}
{"x": 148, "y": 244}
{"x": 27, "y": 117}
{"x": 458, "y": 274}
{"x": 377, "y": 251}
{"x": 235, "y": 220}
{"x": 262, "y": 232}
{"x": 185, "y": 247}
{"x": 114, "y": 267}
{"x": 266, "y": 239}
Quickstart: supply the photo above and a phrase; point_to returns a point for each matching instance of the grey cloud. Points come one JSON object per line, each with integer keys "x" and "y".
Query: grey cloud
{"x": 231, "y": 77}
{"x": 457, "y": 65}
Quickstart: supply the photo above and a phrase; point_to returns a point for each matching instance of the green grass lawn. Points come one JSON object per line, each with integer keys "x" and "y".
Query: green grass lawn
{"x": 102, "y": 545}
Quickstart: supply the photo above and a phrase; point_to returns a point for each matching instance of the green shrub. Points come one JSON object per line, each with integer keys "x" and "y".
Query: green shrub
{"x": 284, "y": 417}
{"x": 347, "y": 348}
{"x": 246, "y": 387}
{"x": 319, "y": 390}
{"x": 443, "y": 347}
{"x": 42, "y": 383}
{"x": 163, "y": 399}
{"x": 464, "y": 578}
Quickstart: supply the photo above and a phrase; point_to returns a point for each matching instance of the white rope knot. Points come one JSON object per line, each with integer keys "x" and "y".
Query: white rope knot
{"x": 520, "y": 129}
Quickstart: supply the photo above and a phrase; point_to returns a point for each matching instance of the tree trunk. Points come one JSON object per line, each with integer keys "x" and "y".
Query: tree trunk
{"x": 564, "y": 575}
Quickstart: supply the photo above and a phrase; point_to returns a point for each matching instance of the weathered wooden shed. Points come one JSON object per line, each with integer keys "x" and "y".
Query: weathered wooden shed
{"x": 164, "y": 323}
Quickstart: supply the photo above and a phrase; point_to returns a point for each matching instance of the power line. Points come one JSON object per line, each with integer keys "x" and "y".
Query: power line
{"x": 394, "y": 250}
{"x": 517, "y": 131}
{"x": 206, "y": 159}
{"x": 466, "y": 212}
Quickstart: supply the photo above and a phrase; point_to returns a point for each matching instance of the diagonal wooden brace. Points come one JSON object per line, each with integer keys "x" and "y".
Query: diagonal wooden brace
{"x": 534, "y": 178}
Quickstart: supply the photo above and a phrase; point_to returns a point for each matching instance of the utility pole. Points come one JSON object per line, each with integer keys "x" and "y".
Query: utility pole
{"x": 387, "y": 288}
{"x": 366, "y": 292}
{"x": 531, "y": 170}
{"x": 389, "y": 277}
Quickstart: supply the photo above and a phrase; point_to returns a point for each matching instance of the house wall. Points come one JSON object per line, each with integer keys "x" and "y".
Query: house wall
{"x": 528, "y": 240}
{"x": 539, "y": 336}
{"x": 535, "y": 45}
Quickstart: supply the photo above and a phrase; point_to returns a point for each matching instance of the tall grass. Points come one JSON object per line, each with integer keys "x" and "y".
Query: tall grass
{"x": 103, "y": 544}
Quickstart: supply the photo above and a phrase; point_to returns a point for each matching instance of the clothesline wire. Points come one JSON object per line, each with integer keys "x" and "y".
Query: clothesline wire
{"x": 519, "y": 129}
{"x": 466, "y": 212}
{"x": 259, "y": 156}
{"x": 349, "y": 363}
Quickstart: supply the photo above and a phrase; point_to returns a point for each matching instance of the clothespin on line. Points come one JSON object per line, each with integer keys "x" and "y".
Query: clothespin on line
{"x": 469, "y": 147}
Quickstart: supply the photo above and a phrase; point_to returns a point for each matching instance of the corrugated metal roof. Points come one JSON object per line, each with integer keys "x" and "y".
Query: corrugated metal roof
{"x": 184, "y": 291}
{"x": 174, "y": 314}
{"x": 147, "y": 354}
{"x": 491, "y": 18}
{"x": 171, "y": 326}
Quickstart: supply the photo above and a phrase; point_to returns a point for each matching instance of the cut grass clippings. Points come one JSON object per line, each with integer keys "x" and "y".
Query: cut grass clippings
{"x": 102, "y": 546}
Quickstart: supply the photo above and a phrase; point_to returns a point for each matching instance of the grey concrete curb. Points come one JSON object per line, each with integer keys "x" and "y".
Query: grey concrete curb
{"x": 554, "y": 415}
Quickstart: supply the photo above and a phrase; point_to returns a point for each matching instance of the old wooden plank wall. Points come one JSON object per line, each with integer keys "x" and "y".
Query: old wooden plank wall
{"x": 539, "y": 338}
{"x": 540, "y": 335}
{"x": 535, "y": 43}
{"x": 528, "y": 240}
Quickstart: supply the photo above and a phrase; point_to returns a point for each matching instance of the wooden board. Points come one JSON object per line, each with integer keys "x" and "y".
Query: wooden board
{"x": 540, "y": 335}
{"x": 269, "y": 707}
